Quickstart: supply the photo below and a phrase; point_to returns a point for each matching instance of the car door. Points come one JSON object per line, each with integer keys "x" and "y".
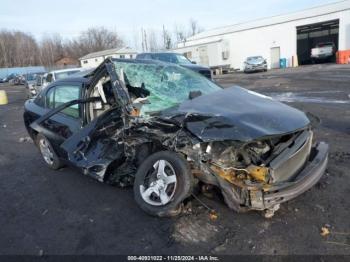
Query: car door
{"x": 90, "y": 145}
{"x": 82, "y": 147}
{"x": 65, "y": 123}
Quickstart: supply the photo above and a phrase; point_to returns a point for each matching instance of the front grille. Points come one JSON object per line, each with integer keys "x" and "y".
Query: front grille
{"x": 288, "y": 164}
{"x": 206, "y": 73}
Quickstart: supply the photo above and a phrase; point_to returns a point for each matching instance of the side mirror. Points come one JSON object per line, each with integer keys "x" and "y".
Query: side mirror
{"x": 193, "y": 62}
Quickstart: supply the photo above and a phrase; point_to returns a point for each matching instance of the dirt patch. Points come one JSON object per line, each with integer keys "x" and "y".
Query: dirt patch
{"x": 193, "y": 231}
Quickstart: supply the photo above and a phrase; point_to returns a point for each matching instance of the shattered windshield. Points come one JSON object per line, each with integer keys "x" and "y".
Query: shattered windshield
{"x": 169, "y": 85}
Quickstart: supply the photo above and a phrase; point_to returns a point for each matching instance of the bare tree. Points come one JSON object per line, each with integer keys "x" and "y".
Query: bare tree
{"x": 153, "y": 41}
{"x": 180, "y": 33}
{"x": 21, "y": 49}
{"x": 51, "y": 49}
{"x": 144, "y": 40}
{"x": 194, "y": 27}
{"x": 93, "y": 40}
{"x": 18, "y": 49}
{"x": 167, "y": 41}
{"x": 98, "y": 39}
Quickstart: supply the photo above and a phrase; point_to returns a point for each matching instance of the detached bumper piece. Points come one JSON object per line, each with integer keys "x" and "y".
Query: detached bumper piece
{"x": 307, "y": 178}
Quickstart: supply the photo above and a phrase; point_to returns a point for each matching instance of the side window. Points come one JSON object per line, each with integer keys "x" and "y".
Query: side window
{"x": 64, "y": 94}
{"x": 39, "y": 100}
{"x": 38, "y": 80}
{"x": 59, "y": 95}
{"x": 50, "y": 98}
{"x": 49, "y": 78}
{"x": 147, "y": 56}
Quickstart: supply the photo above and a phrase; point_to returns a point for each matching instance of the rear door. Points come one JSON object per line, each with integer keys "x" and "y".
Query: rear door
{"x": 65, "y": 123}
{"x": 95, "y": 145}
{"x": 99, "y": 143}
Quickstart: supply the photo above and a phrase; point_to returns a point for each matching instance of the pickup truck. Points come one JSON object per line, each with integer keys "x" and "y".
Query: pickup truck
{"x": 323, "y": 51}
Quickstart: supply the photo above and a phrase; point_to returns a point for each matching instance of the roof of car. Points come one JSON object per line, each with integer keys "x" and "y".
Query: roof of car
{"x": 158, "y": 53}
{"x": 66, "y": 70}
{"x": 73, "y": 79}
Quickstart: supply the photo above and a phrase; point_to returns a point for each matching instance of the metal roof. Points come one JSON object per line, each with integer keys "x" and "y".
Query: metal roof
{"x": 124, "y": 50}
{"x": 268, "y": 21}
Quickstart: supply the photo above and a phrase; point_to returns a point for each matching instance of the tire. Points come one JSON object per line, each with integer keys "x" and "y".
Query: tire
{"x": 176, "y": 192}
{"x": 53, "y": 162}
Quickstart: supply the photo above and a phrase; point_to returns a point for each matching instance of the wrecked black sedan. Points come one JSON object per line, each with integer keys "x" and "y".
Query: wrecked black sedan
{"x": 164, "y": 128}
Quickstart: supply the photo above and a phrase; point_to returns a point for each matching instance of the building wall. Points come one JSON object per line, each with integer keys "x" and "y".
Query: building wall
{"x": 259, "y": 41}
{"x": 96, "y": 61}
{"x": 66, "y": 61}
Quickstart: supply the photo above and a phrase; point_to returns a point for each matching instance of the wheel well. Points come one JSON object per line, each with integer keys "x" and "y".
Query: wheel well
{"x": 146, "y": 149}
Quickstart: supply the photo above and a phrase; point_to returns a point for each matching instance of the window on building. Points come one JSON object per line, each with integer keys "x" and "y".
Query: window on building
{"x": 302, "y": 36}
{"x": 188, "y": 55}
{"x": 131, "y": 57}
{"x": 319, "y": 33}
{"x": 85, "y": 61}
{"x": 334, "y": 31}
{"x": 122, "y": 56}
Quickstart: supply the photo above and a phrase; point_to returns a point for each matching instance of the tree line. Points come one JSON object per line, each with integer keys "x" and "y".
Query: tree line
{"x": 19, "y": 49}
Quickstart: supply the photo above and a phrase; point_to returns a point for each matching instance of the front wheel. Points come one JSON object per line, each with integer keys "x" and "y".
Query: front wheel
{"x": 162, "y": 183}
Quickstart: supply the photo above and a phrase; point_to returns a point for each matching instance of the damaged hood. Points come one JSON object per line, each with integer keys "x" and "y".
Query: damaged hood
{"x": 238, "y": 114}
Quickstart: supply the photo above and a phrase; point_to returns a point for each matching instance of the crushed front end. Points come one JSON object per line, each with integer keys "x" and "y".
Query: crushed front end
{"x": 261, "y": 174}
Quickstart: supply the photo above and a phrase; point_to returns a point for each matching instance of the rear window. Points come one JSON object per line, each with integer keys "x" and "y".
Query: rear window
{"x": 170, "y": 58}
{"x": 62, "y": 75}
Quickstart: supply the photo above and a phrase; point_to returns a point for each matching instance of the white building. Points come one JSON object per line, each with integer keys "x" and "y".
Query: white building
{"x": 288, "y": 36}
{"x": 94, "y": 59}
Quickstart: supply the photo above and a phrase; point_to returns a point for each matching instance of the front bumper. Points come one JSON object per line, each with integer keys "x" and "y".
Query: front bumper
{"x": 321, "y": 56}
{"x": 253, "y": 68}
{"x": 307, "y": 178}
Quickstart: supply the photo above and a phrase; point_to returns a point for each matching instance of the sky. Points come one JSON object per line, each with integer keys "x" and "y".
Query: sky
{"x": 70, "y": 17}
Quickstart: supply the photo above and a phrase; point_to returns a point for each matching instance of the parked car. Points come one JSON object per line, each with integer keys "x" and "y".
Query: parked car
{"x": 9, "y": 78}
{"x": 323, "y": 51}
{"x": 177, "y": 59}
{"x": 255, "y": 64}
{"x": 60, "y": 74}
{"x": 19, "y": 80}
{"x": 163, "y": 128}
{"x": 33, "y": 83}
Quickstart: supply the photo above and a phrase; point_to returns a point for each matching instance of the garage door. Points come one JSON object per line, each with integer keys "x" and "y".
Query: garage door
{"x": 308, "y": 36}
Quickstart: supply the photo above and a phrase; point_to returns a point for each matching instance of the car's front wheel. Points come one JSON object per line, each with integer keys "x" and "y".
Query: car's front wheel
{"x": 48, "y": 154}
{"x": 162, "y": 183}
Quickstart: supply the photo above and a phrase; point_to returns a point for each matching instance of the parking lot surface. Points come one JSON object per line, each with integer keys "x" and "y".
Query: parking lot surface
{"x": 65, "y": 212}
